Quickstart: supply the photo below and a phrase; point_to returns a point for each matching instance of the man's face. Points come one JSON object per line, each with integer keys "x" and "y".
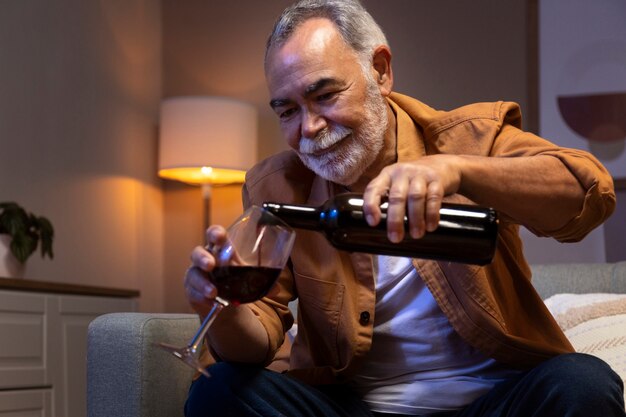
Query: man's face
{"x": 331, "y": 112}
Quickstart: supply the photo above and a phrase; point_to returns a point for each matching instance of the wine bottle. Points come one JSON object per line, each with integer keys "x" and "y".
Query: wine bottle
{"x": 465, "y": 233}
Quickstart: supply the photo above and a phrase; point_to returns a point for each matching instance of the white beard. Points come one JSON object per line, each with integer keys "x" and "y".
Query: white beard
{"x": 349, "y": 160}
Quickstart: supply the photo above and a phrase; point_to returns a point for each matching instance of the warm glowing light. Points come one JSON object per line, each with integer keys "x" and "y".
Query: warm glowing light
{"x": 203, "y": 175}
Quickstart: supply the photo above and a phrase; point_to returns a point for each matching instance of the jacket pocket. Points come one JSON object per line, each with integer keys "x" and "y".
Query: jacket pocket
{"x": 319, "y": 305}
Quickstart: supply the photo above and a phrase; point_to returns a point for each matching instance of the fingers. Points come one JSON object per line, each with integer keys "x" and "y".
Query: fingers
{"x": 198, "y": 289}
{"x": 202, "y": 258}
{"x": 414, "y": 192}
{"x": 198, "y": 286}
{"x": 396, "y": 209}
{"x": 416, "y": 208}
{"x": 223, "y": 251}
{"x": 375, "y": 190}
{"x": 416, "y": 200}
{"x": 434, "y": 199}
{"x": 215, "y": 237}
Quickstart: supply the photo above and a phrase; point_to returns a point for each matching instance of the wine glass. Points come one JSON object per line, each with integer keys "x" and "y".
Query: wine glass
{"x": 256, "y": 250}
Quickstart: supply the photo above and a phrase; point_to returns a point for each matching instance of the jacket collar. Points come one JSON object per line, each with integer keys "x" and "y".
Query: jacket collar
{"x": 409, "y": 136}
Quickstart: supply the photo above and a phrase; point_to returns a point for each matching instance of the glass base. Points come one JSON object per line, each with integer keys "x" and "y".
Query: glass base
{"x": 187, "y": 355}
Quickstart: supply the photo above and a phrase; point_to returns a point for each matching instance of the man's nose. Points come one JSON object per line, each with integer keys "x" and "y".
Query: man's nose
{"x": 312, "y": 123}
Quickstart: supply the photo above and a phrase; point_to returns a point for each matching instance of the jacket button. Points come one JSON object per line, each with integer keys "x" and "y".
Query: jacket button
{"x": 364, "y": 318}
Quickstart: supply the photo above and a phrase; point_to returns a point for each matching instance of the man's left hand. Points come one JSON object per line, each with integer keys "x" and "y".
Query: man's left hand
{"x": 414, "y": 189}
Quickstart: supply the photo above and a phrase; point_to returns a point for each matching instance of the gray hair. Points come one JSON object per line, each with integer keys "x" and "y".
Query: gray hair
{"x": 356, "y": 26}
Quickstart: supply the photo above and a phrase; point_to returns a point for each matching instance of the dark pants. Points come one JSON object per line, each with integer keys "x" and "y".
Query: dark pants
{"x": 565, "y": 386}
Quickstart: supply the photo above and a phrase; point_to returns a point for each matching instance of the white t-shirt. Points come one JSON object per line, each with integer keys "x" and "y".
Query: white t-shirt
{"x": 418, "y": 364}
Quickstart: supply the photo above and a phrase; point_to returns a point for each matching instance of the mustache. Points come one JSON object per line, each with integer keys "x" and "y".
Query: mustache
{"x": 324, "y": 139}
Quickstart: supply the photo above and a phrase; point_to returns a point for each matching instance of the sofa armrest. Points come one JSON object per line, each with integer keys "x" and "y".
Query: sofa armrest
{"x": 127, "y": 375}
{"x": 579, "y": 278}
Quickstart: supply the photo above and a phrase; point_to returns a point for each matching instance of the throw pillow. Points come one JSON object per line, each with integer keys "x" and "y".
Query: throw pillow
{"x": 595, "y": 324}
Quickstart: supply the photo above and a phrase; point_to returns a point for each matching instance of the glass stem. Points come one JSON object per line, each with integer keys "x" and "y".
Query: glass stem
{"x": 218, "y": 305}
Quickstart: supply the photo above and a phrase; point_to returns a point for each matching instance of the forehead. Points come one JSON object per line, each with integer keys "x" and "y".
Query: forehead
{"x": 315, "y": 49}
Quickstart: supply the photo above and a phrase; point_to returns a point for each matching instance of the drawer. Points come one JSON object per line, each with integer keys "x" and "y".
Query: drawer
{"x": 27, "y": 403}
{"x": 22, "y": 345}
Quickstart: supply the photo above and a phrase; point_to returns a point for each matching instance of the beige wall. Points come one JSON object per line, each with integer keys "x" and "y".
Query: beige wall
{"x": 80, "y": 84}
{"x": 449, "y": 53}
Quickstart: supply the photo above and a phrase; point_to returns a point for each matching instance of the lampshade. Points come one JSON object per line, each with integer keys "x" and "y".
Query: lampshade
{"x": 206, "y": 140}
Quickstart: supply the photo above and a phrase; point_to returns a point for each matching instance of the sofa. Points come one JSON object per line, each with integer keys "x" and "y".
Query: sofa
{"x": 129, "y": 377}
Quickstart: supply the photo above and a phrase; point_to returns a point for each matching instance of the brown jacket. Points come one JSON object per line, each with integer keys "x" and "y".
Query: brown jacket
{"x": 493, "y": 307}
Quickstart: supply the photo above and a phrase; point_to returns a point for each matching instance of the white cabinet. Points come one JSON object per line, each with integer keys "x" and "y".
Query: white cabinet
{"x": 26, "y": 403}
{"x": 43, "y": 344}
{"x": 23, "y": 341}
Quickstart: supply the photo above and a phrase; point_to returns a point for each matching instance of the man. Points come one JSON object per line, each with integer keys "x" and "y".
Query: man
{"x": 380, "y": 335}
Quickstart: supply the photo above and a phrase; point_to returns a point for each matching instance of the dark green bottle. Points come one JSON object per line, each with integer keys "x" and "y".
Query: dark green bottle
{"x": 465, "y": 234}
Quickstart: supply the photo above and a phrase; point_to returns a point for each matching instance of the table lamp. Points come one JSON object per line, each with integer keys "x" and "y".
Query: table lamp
{"x": 206, "y": 141}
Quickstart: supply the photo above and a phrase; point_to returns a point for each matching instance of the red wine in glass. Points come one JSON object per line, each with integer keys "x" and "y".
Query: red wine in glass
{"x": 243, "y": 284}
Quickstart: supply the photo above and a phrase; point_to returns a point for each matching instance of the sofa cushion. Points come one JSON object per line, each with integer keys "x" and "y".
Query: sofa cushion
{"x": 595, "y": 324}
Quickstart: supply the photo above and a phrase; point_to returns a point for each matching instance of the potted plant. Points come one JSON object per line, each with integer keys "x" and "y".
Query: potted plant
{"x": 26, "y": 231}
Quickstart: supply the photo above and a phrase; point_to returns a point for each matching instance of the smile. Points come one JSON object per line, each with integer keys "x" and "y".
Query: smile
{"x": 321, "y": 152}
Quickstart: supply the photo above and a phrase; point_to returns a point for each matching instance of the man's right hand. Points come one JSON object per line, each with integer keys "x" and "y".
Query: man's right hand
{"x": 199, "y": 290}
{"x": 236, "y": 334}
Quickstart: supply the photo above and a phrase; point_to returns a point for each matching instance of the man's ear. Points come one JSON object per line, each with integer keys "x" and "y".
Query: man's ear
{"x": 381, "y": 60}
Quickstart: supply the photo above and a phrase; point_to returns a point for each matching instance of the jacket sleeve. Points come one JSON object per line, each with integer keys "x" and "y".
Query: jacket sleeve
{"x": 599, "y": 201}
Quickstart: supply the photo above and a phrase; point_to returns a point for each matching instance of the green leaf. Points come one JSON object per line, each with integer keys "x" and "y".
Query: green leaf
{"x": 13, "y": 218}
{"x": 46, "y": 233}
{"x": 22, "y": 246}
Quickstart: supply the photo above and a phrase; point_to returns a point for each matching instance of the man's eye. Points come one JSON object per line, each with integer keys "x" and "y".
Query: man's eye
{"x": 325, "y": 96}
{"x": 285, "y": 114}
